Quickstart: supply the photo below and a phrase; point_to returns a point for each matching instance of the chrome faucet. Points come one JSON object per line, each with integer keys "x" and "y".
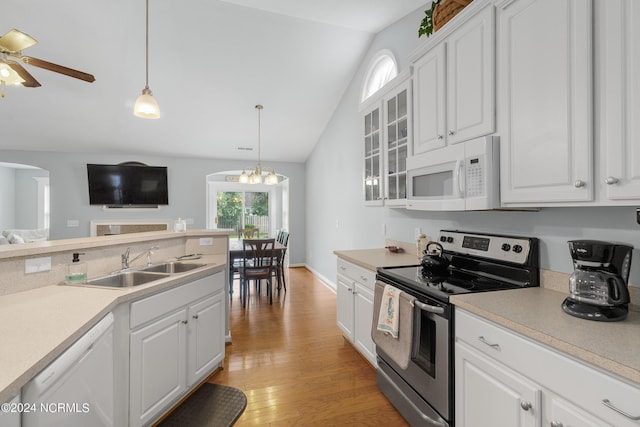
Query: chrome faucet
{"x": 125, "y": 256}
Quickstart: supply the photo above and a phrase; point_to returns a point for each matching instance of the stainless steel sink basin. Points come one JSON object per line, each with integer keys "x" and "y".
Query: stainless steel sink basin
{"x": 126, "y": 279}
{"x": 172, "y": 267}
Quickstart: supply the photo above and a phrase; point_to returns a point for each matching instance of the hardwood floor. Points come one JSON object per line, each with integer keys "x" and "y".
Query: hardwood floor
{"x": 294, "y": 365}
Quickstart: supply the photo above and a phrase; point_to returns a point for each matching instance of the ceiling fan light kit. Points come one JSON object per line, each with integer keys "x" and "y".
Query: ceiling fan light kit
{"x": 11, "y": 72}
{"x": 255, "y": 173}
{"x": 146, "y": 105}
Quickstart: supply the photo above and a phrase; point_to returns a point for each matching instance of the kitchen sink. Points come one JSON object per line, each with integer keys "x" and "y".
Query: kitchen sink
{"x": 126, "y": 279}
{"x": 172, "y": 267}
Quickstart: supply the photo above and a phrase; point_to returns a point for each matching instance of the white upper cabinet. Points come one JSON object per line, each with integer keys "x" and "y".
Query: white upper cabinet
{"x": 619, "y": 63}
{"x": 397, "y": 110}
{"x": 454, "y": 81}
{"x": 545, "y": 105}
{"x": 372, "y": 132}
{"x": 429, "y": 102}
{"x": 387, "y": 137}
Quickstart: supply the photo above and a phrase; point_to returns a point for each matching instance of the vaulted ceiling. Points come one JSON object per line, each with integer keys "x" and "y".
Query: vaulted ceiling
{"x": 211, "y": 61}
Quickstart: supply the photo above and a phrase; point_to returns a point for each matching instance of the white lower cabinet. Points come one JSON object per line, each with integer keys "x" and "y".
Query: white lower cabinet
{"x": 489, "y": 394}
{"x": 10, "y": 415}
{"x": 176, "y": 339}
{"x": 505, "y": 379}
{"x": 355, "y": 306}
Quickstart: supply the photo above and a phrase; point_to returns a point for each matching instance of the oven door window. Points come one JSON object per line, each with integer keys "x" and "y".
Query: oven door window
{"x": 424, "y": 342}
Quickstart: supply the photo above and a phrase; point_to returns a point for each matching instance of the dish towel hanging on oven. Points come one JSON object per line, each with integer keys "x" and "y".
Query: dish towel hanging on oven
{"x": 397, "y": 348}
{"x": 389, "y": 311}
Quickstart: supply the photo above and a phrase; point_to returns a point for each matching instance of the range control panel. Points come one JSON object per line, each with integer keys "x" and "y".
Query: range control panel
{"x": 499, "y": 248}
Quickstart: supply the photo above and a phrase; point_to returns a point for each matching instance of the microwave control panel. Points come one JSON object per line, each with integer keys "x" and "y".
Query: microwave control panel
{"x": 475, "y": 184}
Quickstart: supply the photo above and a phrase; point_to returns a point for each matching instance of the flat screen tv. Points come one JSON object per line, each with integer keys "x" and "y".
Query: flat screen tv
{"x": 127, "y": 185}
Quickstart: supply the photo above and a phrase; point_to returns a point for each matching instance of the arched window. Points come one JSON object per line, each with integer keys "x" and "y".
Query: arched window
{"x": 382, "y": 68}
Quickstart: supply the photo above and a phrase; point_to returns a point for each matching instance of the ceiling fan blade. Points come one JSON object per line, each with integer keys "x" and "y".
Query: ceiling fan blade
{"x": 58, "y": 68}
{"x": 29, "y": 80}
{"x": 15, "y": 41}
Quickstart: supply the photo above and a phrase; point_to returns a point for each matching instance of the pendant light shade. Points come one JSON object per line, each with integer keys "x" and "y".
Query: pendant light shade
{"x": 146, "y": 105}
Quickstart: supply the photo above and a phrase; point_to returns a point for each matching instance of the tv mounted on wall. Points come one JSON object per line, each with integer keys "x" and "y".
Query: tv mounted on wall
{"x": 127, "y": 185}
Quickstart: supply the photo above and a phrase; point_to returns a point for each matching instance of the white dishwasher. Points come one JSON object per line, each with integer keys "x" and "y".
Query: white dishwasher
{"x": 76, "y": 389}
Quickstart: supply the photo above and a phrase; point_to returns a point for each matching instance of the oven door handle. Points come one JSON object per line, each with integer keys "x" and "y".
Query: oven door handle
{"x": 429, "y": 308}
{"x": 426, "y": 419}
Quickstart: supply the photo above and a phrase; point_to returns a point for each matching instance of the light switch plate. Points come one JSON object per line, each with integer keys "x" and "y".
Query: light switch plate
{"x": 36, "y": 265}
{"x": 206, "y": 241}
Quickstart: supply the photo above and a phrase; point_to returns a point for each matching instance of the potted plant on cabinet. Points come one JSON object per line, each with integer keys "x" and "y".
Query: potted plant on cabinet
{"x": 440, "y": 13}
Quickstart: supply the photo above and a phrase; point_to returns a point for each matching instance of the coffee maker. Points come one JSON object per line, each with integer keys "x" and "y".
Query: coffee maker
{"x": 598, "y": 286}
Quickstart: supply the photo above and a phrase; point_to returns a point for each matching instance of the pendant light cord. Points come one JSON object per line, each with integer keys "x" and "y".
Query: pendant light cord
{"x": 259, "y": 108}
{"x": 147, "y": 49}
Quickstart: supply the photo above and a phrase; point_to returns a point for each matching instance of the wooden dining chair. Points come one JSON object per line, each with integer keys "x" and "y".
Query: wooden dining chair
{"x": 258, "y": 257}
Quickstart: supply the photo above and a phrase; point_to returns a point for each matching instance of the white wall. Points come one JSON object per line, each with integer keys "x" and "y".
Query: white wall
{"x": 334, "y": 193}
{"x": 7, "y": 198}
{"x": 187, "y": 191}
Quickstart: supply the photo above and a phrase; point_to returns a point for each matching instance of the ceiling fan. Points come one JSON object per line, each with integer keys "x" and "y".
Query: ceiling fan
{"x": 12, "y": 72}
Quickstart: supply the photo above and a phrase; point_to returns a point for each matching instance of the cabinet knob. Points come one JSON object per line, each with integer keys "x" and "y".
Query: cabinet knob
{"x": 440, "y": 137}
{"x": 184, "y": 322}
{"x": 555, "y": 424}
{"x": 364, "y": 279}
{"x": 452, "y": 132}
{"x": 525, "y": 405}
{"x": 579, "y": 183}
{"x": 350, "y": 290}
{"x": 195, "y": 316}
{"x": 610, "y": 180}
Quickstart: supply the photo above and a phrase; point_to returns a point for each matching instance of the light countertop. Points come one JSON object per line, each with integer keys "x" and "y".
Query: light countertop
{"x": 38, "y": 325}
{"x": 537, "y": 313}
{"x": 371, "y": 259}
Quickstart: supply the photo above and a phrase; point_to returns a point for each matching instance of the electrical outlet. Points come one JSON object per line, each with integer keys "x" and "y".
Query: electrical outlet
{"x": 206, "y": 241}
{"x": 73, "y": 223}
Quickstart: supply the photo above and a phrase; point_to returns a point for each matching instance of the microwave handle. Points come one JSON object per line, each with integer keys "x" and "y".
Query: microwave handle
{"x": 459, "y": 178}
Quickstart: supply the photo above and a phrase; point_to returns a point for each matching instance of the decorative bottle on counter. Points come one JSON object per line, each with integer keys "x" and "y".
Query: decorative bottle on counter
{"x": 421, "y": 245}
{"x": 76, "y": 271}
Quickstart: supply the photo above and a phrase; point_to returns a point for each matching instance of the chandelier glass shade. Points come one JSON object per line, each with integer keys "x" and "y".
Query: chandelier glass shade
{"x": 255, "y": 174}
{"x": 146, "y": 105}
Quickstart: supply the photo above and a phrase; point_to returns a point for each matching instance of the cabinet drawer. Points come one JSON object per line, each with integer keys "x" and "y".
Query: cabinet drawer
{"x": 577, "y": 381}
{"x": 357, "y": 273}
{"x": 151, "y": 307}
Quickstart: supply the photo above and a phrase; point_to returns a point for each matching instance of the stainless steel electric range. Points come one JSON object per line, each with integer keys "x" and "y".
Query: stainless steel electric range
{"x": 464, "y": 262}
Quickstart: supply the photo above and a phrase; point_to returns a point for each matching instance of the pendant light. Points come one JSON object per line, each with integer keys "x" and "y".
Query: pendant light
{"x": 146, "y": 105}
{"x": 255, "y": 174}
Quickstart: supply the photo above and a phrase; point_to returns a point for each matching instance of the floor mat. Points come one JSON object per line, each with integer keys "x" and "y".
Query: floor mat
{"x": 212, "y": 405}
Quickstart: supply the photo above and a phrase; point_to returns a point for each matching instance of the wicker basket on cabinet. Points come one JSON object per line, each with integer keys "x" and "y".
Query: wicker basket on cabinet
{"x": 445, "y": 10}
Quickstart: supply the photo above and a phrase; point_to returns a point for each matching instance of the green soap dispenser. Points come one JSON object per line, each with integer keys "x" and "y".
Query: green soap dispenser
{"x": 76, "y": 271}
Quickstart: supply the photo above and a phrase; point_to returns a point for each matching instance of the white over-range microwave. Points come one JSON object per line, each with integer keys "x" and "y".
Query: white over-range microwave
{"x": 459, "y": 177}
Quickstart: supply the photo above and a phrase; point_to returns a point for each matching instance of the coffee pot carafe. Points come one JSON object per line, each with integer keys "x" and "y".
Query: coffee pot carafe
{"x": 598, "y": 286}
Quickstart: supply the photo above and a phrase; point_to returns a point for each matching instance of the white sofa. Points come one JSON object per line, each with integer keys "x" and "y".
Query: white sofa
{"x": 15, "y": 236}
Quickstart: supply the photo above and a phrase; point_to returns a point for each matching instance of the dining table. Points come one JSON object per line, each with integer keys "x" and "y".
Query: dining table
{"x": 236, "y": 251}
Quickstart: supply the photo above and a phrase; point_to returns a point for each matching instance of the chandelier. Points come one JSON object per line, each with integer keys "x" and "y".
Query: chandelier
{"x": 255, "y": 173}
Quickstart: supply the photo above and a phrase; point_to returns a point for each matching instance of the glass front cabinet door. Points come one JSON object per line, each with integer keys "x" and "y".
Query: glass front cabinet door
{"x": 373, "y": 156}
{"x": 396, "y": 143}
